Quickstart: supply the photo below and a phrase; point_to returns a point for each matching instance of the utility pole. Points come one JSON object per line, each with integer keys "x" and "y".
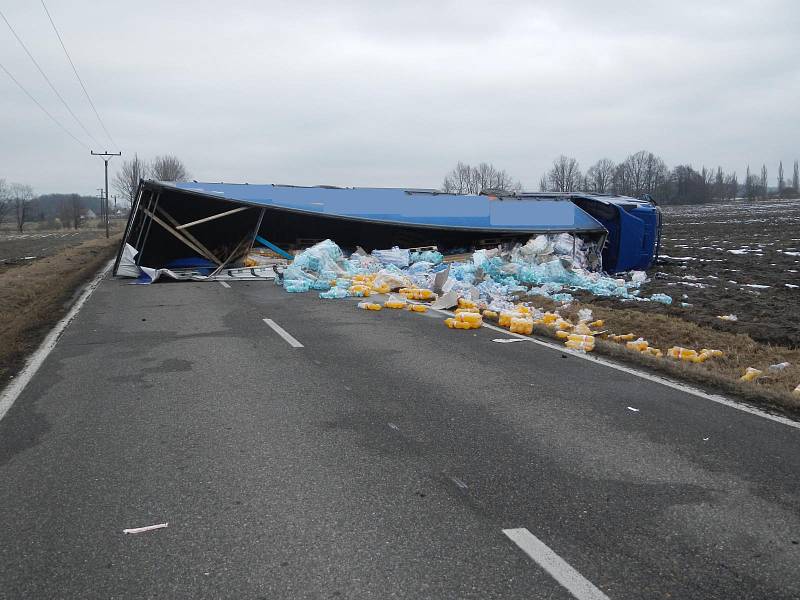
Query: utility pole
{"x": 102, "y": 208}
{"x": 106, "y": 156}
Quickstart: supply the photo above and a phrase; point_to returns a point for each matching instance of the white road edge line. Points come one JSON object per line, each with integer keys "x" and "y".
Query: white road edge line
{"x": 224, "y": 284}
{"x": 654, "y": 378}
{"x": 559, "y": 569}
{"x": 283, "y": 333}
{"x": 17, "y": 385}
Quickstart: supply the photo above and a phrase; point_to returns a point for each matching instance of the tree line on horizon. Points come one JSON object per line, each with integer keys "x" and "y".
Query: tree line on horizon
{"x": 19, "y": 203}
{"x": 642, "y": 173}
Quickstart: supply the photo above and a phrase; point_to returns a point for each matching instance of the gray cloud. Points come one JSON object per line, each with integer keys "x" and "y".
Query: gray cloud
{"x": 368, "y": 93}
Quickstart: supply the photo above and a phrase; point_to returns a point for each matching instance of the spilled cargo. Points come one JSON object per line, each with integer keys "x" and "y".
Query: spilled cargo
{"x": 196, "y": 230}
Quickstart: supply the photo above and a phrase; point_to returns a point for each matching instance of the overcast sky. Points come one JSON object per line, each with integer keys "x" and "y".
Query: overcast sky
{"x": 395, "y": 93}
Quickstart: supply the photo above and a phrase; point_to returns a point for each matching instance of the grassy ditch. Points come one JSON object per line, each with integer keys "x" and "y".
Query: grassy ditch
{"x": 33, "y": 297}
{"x": 772, "y": 389}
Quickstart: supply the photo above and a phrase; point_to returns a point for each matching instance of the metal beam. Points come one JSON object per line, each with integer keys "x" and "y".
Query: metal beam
{"x": 212, "y": 217}
{"x": 175, "y": 233}
{"x": 206, "y": 252}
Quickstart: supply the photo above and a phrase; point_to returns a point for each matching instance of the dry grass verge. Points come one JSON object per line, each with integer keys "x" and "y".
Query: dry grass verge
{"x": 34, "y": 297}
{"x": 772, "y": 389}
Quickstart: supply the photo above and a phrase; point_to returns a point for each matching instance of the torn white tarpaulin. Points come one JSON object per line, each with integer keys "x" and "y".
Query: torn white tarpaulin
{"x": 127, "y": 262}
{"x": 254, "y": 273}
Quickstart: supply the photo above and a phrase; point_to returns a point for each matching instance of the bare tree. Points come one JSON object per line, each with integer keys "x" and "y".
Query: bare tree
{"x": 641, "y": 173}
{"x": 781, "y": 182}
{"x": 750, "y": 185}
{"x": 543, "y": 183}
{"x": 564, "y": 175}
{"x": 21, "y": 196}
{"x": 732, "y": 185}
{"x": 75, "y": 208}
{"x": 796, "y": 178}
{"x": 600, "y": 176}
{"x": 126, "y": 181}
{"x": 5, "y": 202}
{"x": 764, "y": 183}
{"x": 465, "y": 179}
{"x": 168, "y": 168}
{"x": 719, "y": 184}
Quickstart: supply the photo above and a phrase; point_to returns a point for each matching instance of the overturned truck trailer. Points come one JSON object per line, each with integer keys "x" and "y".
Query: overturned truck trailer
{"x": 219, "y": 222}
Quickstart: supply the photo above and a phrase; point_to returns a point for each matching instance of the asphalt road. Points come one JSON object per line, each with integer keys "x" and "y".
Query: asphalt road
{"x": 383, "y": 459}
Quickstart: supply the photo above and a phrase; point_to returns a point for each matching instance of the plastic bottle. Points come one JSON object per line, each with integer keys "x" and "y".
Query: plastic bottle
{"x": 623, "y": 338}
{"x": 369, "y": 305}
{"x": 562, "y": 324}
{"x": 420, "y": 308}
{"x": 639, "y": 345}
{"x": 465, "y": 303}
{"x": 395, "y": 304}
{"x": 575, "y": 337}
{"x": 584, "y": 346}
{"x": 523, "y": 325}
{"x": 504, "y": 320}
{"x": 473, "y": 318}
{"x": 751, "y": 374}
{"x": 682, "y": 353}
{"x": 490, "y": 314}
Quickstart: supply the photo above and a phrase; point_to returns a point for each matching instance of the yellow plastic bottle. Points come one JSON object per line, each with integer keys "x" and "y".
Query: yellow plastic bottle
{"x": 417, "y": 308}
{"x": 683, "y": 353}
{"x": 627, "y": 337}
{"x": 466, "y": 303}
{"x": 504, "y": 320}
{"x": 562, "y": 324}
{"x": 523, "y": 325}
{"x": 639, "y": 345}
{"x": 576, "y": 337}
{"x": 489, "y": 314}
{"x": 472, "y": 318}
{"x": 751, "y": 374}
{"x": 573, "y": 345}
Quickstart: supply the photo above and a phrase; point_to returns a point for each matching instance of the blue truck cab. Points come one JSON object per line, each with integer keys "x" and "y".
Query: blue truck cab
{"x": 634, "y": 229}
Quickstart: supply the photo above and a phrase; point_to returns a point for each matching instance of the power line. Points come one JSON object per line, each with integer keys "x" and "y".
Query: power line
{"x": 74, "y": 70}
{"x": 44, "y": 110}
{"x": 47, "y": 79}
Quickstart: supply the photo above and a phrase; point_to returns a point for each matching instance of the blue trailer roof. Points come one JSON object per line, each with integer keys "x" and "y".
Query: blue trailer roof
{"x": 411, "y": 207}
